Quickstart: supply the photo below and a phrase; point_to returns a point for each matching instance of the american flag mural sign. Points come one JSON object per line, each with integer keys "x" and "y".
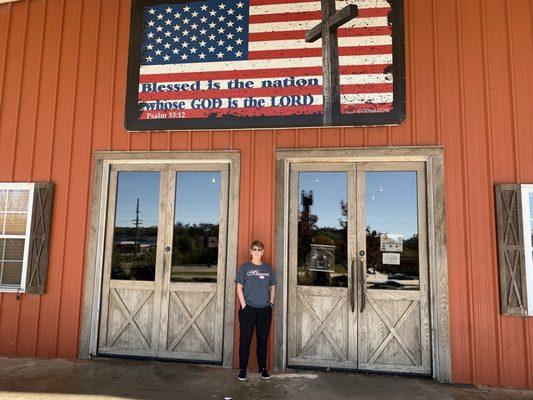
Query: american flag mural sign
{"x": 216, "y": 64}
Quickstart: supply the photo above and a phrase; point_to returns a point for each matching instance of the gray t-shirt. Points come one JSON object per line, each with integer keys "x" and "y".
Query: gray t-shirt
{"x": 256, "y": 280}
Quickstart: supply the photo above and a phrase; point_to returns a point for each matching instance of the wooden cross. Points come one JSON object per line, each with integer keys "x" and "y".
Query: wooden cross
{"x": 327, "y": 30}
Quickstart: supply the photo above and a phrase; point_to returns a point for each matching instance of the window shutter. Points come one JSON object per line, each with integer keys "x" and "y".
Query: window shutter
{"x": 40, "y": 238}
{"x": 511, "y": 258}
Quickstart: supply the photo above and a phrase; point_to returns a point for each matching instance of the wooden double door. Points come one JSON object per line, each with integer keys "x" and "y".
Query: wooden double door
{"x": 165, "y": 261}
{"x": 358, "y": 270}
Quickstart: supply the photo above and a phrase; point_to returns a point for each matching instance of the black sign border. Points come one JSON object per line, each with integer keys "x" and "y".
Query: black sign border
{"x": 133, "y": 124}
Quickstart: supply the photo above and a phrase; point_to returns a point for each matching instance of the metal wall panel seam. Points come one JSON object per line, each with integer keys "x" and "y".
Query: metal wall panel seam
{"x": 2, "y": 80}
{"x": 4, "y": 56}
{"x": 113, "y": 74}
{"x": 511, "y": 89}
{"x": 466, "y": 202}
{"x": 39, "y": 77}
{"x": 17, "y": 119}
{"x": 409, "y": 57}
{"x": 490, "y": 178}
{"x": 69, "y": 173}
{"x": 52, "y": 141}
{"x": 56, "y": 90}
{"x": 34, "y": 133}
{"x": 122, "y": 28}
{"x": 20, "y": 86}
{"x": 438, "y": 121}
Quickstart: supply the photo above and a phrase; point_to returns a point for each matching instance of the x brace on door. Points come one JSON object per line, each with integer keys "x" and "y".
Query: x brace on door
{"x": 191, "y": 321}
{"x": 393, "y": 331}
{"x": 322, "y": 326}
{"x": 130, "y": 317}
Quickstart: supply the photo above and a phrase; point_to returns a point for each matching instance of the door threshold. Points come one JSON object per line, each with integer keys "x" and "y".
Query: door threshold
{"x": 150, "y": 358}
{"x": 358, "y": 371}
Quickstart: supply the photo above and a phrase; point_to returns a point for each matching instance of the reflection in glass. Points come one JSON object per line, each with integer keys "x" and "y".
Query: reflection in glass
{"x": 196, "y": 227}
{"x": 3, "y": 196}
{"x": 322, "y": 229}
{"x": 15, "y": 224}
{"x": 136, "y": 226}
{"x": 17, "y": 200}
{"x": 14, "y": 249}
{"x": 531, "y": 215}
{"x": 392, "y": 230}
{"x": 11, "y": 273}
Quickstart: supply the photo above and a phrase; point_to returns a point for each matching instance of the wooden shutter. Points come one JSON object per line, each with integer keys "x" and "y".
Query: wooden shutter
{"x": 511, "y": 258}
{"x": 40, "y": 238}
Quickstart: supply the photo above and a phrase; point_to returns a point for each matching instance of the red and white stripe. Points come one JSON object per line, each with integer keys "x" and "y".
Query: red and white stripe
{"x": 277, "y": 50}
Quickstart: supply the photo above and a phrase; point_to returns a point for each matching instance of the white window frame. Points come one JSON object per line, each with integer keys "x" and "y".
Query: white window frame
{"x": 31, "y": 188}
{"x": 526, "y": 190}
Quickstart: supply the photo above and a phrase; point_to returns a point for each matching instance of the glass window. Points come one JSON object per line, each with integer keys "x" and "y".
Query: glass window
{"x": 136, "y": 226}
{"x": 15, "y": 214}
{"x": 530, "y": 217}
{"x": 527, "y": 221}
{"x": 322, "y": 229}
{"x": 392, "y": 230}
{"x": 196, "y": 227}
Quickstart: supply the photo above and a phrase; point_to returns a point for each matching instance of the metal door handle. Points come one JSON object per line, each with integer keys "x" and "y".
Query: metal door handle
{"x": 352, "y": 286}
{"x": 362, "y": 283}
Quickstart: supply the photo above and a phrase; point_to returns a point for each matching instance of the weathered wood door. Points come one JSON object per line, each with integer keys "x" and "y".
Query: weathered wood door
{"x": 322, "y": 329}
{"x": 394, "y": 324}
{"x": 358, "y": 292}
{"x": 164, "y": 261}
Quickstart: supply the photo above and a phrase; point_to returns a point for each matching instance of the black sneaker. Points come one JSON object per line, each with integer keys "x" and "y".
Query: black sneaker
{"x": 264, "y": 374}
{"x": 242, "y": 375}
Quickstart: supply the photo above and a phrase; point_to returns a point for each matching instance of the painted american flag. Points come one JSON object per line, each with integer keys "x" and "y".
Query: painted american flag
{"x": 248, "y": 58}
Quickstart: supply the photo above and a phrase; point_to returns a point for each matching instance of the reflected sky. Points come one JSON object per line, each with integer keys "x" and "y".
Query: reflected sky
{"x": 391, "y": 202}
{"x": 137, "y": 185}
{"x": 328, "y": 188}
{"x": 198, "y": 197}
{"x": 390, "y": 197}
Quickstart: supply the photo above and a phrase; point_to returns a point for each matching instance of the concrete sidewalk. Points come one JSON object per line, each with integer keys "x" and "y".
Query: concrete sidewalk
{"x": 133, "y": 379}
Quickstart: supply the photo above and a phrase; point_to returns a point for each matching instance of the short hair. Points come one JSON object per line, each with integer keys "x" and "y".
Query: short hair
{"x": 257, "y": 243}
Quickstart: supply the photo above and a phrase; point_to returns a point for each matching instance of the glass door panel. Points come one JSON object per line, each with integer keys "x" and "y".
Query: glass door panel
{"x": 322, "y": 229}
{"x": 392, "y": 230}
{"x": 136, "y": 226}
{"x": 196, "y": 227}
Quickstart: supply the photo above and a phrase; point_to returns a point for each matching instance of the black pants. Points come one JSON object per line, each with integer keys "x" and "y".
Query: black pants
{"x": 250, "y": 318}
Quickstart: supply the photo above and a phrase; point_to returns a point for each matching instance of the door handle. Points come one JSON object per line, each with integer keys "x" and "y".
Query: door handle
{"x": 352, "y": 285}
{"x": 362, "y": 280}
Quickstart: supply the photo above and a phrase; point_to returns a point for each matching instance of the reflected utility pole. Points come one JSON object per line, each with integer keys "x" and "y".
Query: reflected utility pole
{"x": 138, "y": 222}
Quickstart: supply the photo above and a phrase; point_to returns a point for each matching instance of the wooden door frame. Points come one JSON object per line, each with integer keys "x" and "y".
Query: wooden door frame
{"x": 433, "y": 156}
{"x": 94, "y": 261}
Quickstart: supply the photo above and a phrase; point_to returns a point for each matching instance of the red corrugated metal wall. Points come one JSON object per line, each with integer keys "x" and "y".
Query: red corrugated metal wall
{"x": 469, "y": 87}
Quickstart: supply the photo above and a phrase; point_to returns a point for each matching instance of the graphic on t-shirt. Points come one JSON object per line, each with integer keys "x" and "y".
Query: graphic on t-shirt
{"x": 260, "y": 275}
